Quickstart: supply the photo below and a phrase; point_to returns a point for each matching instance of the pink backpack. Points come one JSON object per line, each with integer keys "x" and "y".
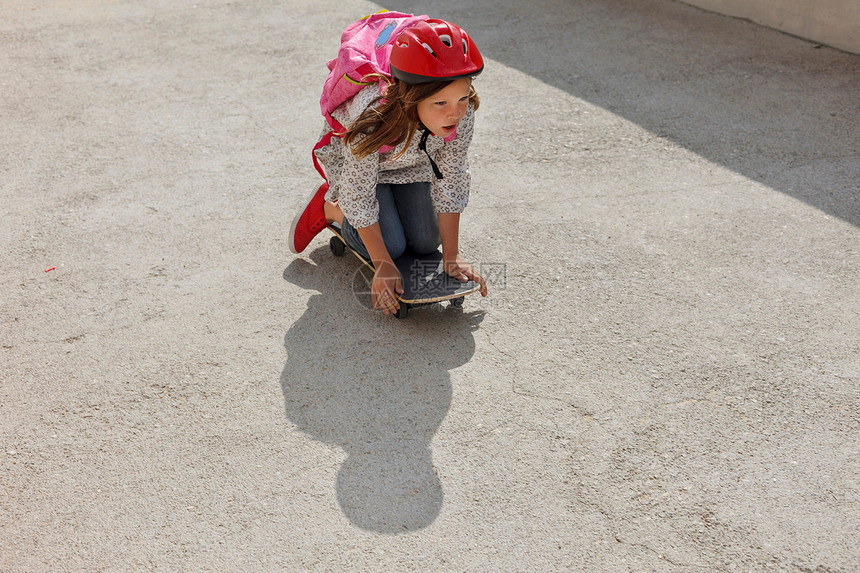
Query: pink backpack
{"x": 365, "y": 48}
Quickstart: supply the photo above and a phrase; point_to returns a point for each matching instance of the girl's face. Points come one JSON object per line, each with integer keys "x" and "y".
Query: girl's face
{"x": 442, "y": 111}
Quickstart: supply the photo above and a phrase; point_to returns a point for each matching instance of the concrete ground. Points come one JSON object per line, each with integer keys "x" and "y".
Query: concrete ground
{"x": 663, "y": 378}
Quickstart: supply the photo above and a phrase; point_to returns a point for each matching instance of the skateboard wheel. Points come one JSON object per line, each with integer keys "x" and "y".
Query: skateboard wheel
{"x": 402, "y": 312}
{"x": 458, "y": 302}
{"x": 337, "y": 247}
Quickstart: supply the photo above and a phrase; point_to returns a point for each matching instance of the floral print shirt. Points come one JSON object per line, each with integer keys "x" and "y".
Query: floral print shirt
{"x": 352, "y": 181}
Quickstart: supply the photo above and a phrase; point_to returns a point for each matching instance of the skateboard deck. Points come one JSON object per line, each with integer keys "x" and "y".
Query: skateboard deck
{"x": 424, "y": 280}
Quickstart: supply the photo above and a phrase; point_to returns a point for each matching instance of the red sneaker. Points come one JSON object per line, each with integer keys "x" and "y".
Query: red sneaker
{"x": 309, "y": 221}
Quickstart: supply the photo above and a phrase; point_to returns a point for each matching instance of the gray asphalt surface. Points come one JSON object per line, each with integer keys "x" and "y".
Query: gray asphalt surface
{"x": 663, "y": 378}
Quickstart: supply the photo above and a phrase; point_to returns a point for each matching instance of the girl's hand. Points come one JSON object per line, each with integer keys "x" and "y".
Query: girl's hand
{"x": 463, "y": 271}
{"x": 386, "y": 283}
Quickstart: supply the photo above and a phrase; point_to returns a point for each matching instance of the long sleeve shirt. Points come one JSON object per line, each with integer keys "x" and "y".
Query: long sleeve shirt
{"x": 352, "y": 181}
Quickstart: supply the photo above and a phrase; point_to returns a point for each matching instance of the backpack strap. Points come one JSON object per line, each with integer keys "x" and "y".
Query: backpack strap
{"x": 422, "y": 145}
{"x": 326, "y": 139}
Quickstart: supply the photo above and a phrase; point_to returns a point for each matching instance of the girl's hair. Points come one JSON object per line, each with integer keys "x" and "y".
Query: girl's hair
{"x": 393, "y": 118}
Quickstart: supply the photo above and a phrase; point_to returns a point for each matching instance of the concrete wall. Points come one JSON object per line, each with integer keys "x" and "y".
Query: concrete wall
{"x": 832, "y": 22}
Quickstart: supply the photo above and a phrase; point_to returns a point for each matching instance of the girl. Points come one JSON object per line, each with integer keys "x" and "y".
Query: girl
{"x": 399, "y": 176}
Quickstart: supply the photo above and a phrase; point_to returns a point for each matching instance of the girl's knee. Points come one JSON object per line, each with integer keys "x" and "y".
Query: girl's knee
{"x": 425, "y": 245}
{"x": 396, "y": 245}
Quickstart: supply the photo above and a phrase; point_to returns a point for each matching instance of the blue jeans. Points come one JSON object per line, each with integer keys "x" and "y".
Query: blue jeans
{"x": 407, "y": 219}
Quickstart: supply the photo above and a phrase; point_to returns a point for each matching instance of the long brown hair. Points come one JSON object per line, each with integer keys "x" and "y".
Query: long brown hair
{"x": 393, "y": 117}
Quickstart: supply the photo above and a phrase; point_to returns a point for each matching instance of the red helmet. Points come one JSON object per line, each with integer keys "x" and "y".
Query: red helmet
{"x": 434, "y": 50}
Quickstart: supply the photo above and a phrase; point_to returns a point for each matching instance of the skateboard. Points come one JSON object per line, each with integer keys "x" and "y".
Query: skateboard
{"x": 424, "y": 280}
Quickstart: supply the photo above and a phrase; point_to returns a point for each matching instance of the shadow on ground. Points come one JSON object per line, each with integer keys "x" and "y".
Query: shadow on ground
{"x": 776, "y": 109}
{"x": 378, "y": 389}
